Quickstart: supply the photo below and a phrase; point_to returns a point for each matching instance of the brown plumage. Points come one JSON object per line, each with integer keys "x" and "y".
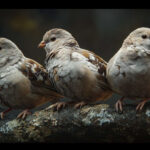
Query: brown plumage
{"x": 24, "y": 83}
{"x": 76, "y": 73}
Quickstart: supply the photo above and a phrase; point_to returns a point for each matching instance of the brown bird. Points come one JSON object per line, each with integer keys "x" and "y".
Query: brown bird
{"x": 76, "y": 73}
{"x": 24, "y": 83}
{"x": 128, "y": 71}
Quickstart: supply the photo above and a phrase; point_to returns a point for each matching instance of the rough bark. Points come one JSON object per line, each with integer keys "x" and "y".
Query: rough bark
{"x": 97, "y": 123}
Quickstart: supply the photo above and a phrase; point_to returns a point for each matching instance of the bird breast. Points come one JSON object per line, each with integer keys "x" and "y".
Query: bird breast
{"x": 128, "y": 73}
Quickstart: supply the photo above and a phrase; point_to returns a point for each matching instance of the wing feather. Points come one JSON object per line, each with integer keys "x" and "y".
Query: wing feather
{"x": 38, "y": 75}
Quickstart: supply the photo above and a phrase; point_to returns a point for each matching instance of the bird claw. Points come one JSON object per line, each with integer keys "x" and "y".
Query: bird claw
{"x": 58, "y": 106}
{"x": 2, "y": 115}
{"x": 79, "y": 105}
{"x": 140, "y": 106}
{"x": 23, "y": 114}
{"x": 118, "y": 105}
{"x": 4, "y": 112}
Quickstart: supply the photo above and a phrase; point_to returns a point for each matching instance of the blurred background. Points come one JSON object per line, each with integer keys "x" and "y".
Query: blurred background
{"x": 99, "y": 30}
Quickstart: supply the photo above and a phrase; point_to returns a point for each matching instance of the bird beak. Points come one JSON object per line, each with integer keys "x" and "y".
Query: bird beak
{"x": 42, "y": 44}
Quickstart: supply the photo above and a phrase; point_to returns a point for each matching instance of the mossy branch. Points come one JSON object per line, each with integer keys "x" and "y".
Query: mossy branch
{"x": 97, "y": 123}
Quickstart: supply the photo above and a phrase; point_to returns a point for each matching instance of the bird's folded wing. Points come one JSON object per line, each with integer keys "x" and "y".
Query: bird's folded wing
{"x": 99, "y": 63}
{"x": 95, "y": 60}
{"x": 36, "y": 74}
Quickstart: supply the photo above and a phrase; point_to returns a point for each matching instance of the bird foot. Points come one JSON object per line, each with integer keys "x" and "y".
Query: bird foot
{"x": 141, "y": 105}
{"x": 79, "y": 105}
{"x": 23, "y": 114}
{"x": 4, "y": 112}
{"x": 58, "y": 106}
{"x": 118, "y": 105}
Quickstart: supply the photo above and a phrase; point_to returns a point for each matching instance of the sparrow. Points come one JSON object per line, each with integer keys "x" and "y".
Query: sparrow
{"x": 128, "y": 71}
{"x": 24, "y": 83}
{"x": 76, "y": 73}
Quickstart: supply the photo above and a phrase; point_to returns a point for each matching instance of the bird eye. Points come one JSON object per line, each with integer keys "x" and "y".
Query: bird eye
{"x": 144, "y": 36}
{"x": 53, "y": 39}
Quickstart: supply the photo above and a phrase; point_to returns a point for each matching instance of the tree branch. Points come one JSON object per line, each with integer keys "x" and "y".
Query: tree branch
{"x": 97, "y": 123}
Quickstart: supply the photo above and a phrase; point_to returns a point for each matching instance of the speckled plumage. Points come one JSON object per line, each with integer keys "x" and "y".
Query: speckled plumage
{"x": 24, "y": 83}
{"x": 76, "y": 73}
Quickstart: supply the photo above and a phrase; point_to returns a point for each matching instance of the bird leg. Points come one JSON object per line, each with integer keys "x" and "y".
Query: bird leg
{"x": 24, "y": 113}
{"x": 79, "y": 105}
{"x": 118, "y": 104}
{"x": 4, "y": 112}
{"x": 141, "y": 105}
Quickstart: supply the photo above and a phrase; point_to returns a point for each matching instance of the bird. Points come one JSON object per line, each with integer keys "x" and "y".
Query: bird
{"x": 76, "y": 73}
{"x": 24, "y": 83}
{"x": 128, "y": 71}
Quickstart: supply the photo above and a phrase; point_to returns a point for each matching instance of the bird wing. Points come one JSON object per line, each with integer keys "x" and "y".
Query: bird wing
{"x": 99, "y": 63}
{"x": 37, "y": 75}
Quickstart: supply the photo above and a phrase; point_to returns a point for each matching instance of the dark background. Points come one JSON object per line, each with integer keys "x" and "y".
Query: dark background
{"x": 99, "y": 30}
